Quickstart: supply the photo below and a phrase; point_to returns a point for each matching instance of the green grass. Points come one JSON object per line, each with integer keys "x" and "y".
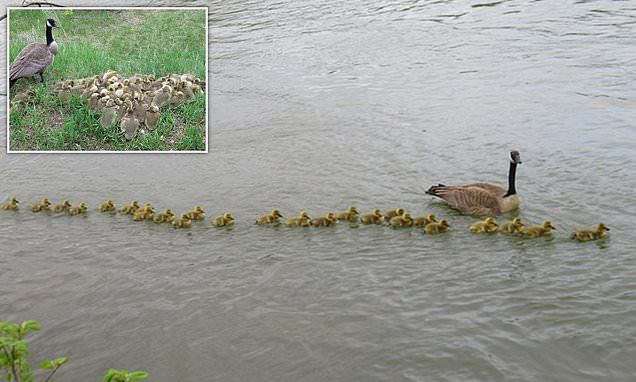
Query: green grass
{"x": 93, "y": 42}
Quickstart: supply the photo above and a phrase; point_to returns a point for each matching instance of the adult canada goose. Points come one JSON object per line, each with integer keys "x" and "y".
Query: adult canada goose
{"x": 482, "y": 198}
{"x": 35, "y": 58}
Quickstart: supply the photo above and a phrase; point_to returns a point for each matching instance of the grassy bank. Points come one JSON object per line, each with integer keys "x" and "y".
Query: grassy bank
{"x": 93, "y": 42}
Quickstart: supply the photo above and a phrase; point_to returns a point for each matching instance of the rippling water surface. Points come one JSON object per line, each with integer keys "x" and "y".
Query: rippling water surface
{"x": 318, "y": 105}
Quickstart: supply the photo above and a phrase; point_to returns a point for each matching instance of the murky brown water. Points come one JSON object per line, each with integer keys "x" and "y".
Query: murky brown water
{"x": 317, "y": 105}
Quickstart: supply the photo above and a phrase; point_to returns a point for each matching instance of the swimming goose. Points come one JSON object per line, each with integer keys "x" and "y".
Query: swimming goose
{"x": 482, "y": 198}
{"x": 351, "y": 215}
{"x": 35, "y": 58}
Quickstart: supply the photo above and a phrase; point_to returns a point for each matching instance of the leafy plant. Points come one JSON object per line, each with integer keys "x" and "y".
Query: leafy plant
{"x": 124, "y": 376}
{"x": 13, "y": 355}
{"x": 14, "y": 363}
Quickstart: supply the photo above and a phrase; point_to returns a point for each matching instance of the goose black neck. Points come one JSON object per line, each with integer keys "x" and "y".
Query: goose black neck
{"x": 49, "y": 35}
{"x": 511, "y": 179}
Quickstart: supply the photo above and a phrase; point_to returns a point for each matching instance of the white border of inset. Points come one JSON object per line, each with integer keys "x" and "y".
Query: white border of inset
{"x": 207, "y": 84}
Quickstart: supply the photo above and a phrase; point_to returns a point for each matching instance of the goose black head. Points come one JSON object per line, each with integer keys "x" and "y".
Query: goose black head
{"x": 52, "y": 23}
{"x": 515, "y": 157}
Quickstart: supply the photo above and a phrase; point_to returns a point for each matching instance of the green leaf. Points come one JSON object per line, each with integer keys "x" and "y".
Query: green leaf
{"x": 110, "y": 375}
{"x": 46, "y": 365}
{"x": 138, "y": 375}
{"x": 60, "y": 361}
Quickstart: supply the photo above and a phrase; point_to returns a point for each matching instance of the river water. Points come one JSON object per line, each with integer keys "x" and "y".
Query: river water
{"x": 317, "y": 105}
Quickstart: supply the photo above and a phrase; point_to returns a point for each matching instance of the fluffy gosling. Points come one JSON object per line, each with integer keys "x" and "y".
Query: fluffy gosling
{"x": 588, "y": 234}
{"x": 513, "y": 226}
{"x": 375, "y": 217}
{"x": 543, "y": 230}
{"x": 273, "y": 218}
{"x": 223, "y": 220}
{"x": 435, "y": 228}
{"x": 487, "y": 226}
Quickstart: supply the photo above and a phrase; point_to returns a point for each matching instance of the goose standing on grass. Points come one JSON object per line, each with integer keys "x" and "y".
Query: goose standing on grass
{"x": 36, "y": 57}
{"x": 482, "y": 198}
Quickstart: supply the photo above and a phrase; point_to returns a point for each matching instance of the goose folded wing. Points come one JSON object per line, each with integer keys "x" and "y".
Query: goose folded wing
{"x": 495, "y": 190}
{"x": 470, "y": 199}
{"x": 32, "y": 60}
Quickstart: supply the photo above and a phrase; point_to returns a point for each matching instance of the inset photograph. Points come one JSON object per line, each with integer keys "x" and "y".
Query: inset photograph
{"x": 107, "y": 80}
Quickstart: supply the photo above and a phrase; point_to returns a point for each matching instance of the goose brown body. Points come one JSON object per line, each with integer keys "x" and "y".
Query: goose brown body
{"x": 482, "y": 198}
{"x": 35, "y": 58}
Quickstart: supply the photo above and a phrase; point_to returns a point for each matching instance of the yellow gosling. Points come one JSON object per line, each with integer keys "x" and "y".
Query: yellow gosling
{"x": 543, "y": 230}
{"x": 65, "y": 205}
{"x": 435, "y": 228}
{"x": 130, "y": 209}
{"x": 79, "y": 209}
{"x": 375, "y": 217}
{"x": 164, "y": 217}
{"x": 223, "y": 220}
{"x": 390, "y": 214}
{"x": 488, "y": 226}
{"x": 588, "y": 234}
{"x": 107, "y": 206}
{"x": 196, "y": 214}
{"x": 44, "y": 205}
{"x": 513, "y": 226}
{"x": 423, "y": 221}
{"x": 11, "y": 206}
{"x": 302, "y": 220}
{"x": 350, "y": 215}
{"x": 183, "y": 222}
{"x": 402, "y": 221}
{"x": 325, "y": 221}
{"x": 273, "y": 218}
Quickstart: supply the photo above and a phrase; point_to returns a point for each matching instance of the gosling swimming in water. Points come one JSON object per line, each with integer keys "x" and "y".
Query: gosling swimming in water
{"x": 588, "y": 234}
{"x": 65, "y": 205}
{"x": 435, "y": 228}
{"x": 325, "y": 221}
{"x": 423, "y": 221}
{"x": 543, "y": 230}
{"x": 303, "y": 220}
{"x": 11, "y": 206}
{"x": 223, "y": 220}
{"x": 390, "y": 214}
{"x": 130, "y": 209}
{"x": 183, "y": 222}
{"x": 164, "y": 217}
{"x": 402, "y": 221}
{"x": 488, "y": 226}
{"x": 375, "y": 217}
{"x": 145, "y": 213}
{"x": 273, "y": 218}
{"x": 79, "y": 209}
{"x": 350, "y": 215}
{"x": 513, "y": 226}
{"x": 196, "y": 214}
{"x": 107, "y": 206}
{"x": 44, "y": 205}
